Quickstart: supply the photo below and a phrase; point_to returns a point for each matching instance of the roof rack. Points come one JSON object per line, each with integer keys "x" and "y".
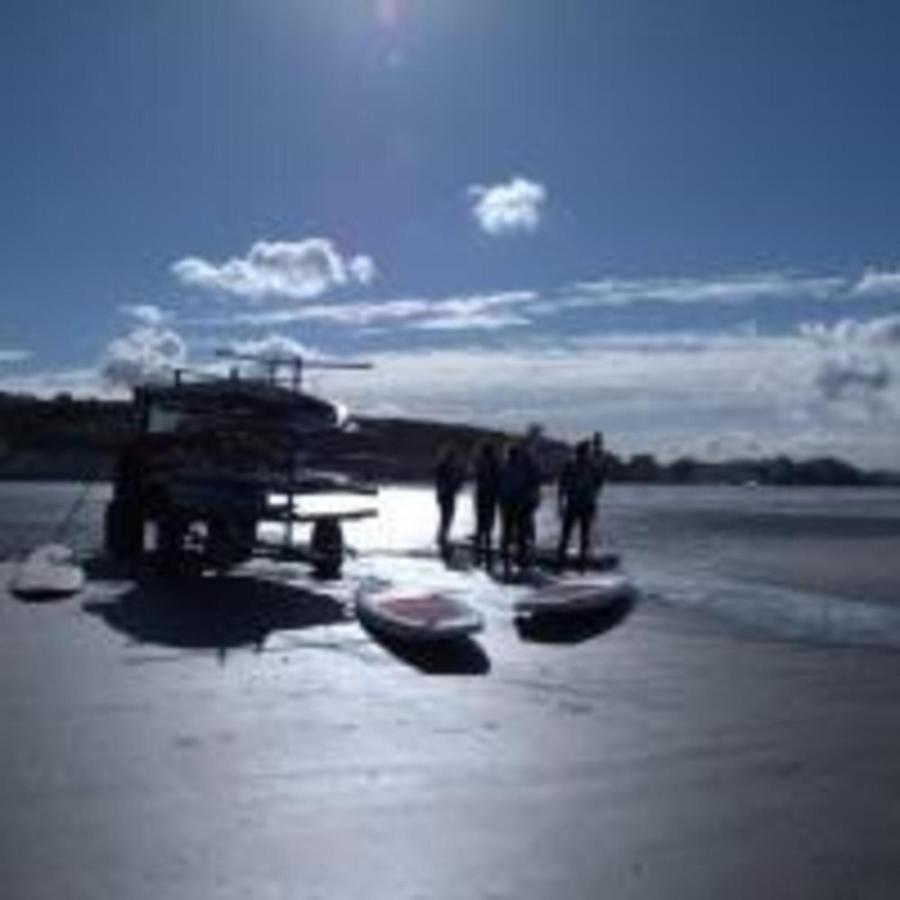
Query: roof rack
{"x": 294, "y": 363}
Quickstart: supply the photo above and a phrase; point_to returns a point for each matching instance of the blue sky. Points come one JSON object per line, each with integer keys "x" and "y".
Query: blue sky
{"x": 677, "y": 220}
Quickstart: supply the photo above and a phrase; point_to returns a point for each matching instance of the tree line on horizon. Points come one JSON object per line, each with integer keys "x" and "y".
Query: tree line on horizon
{"x": 65, "y": 437}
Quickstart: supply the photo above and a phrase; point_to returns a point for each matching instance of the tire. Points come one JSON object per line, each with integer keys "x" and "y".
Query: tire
{"x": 230, "y": 540}
{"x": 171, "y": 531}
{"x": 123, "y": 529}
{"x": 327, "y": 546}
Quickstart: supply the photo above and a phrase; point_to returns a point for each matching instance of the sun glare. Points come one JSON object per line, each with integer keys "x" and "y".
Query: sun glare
{"x": 388, "y": 12}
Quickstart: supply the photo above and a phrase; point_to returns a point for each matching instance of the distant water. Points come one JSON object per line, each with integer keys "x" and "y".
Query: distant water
{"x": 690, "y": 547}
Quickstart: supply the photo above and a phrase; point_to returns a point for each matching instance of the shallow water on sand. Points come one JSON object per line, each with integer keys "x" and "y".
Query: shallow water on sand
{"x": 811, "y": 564}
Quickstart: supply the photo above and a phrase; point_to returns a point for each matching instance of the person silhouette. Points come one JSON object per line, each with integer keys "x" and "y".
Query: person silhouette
{"x": 486, "y": 500}
{"x": 449, "y": 476}
{"x": 579, "y": 486}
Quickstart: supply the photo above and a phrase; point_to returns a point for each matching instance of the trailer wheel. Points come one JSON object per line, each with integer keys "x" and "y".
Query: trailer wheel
{"x": 171, "y": 532}
{"x": 123, "y": 529}
{"x": 230, "y": 539}
{"x": 327, "y": 546}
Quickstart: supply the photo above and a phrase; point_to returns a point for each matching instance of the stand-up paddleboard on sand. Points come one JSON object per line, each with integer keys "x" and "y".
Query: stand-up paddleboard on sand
{"x": 576, "y": 594}
{"x": 49, "y": 572}
{"x": 417, "y": 615}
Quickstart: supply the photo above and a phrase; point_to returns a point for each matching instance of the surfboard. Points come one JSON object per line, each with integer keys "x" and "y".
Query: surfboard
{"x": 48, "y": 573}
{"x": 418, "y": 615}
{"x": 577, "y": 594}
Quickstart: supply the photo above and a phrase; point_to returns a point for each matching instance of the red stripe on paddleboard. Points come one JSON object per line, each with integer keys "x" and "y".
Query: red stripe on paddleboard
{"x": 426, "y": 609}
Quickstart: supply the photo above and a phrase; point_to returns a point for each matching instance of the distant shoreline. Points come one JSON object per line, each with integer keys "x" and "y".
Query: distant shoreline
{"x": 66, "y": 439}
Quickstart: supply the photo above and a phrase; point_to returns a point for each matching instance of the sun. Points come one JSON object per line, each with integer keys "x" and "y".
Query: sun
{"x": 388, "y": 12}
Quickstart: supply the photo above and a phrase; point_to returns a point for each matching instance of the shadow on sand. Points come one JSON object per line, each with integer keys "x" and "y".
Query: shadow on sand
{"x": 214, "y": 613}
{"x": 572, "y": 628}
{"x": 460, "y": 657}
{"x": 41, "y": 595}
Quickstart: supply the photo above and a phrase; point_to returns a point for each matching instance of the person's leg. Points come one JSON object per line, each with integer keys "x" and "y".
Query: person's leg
{"x": 506, "y": 536}
{"x": 523, "y": 532}
{"x": 489, "y": 520}
{"x": 451, "y": 514}
{"x": 530, "y": 536}
{"x": 565, "y": 535}
{"x": 446, "y": 508}
{"x": 585, "y": 524}
{"x": 482, "y": 532}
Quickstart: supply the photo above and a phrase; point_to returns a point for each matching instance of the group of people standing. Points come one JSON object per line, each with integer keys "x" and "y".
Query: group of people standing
{"x": 508, "y": 484}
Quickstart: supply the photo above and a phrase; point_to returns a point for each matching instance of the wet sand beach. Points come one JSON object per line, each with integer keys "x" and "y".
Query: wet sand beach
{"x": 245, "y": 737}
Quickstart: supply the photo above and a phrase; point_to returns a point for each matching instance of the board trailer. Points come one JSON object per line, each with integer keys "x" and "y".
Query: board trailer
{"x": 212, "y": 459}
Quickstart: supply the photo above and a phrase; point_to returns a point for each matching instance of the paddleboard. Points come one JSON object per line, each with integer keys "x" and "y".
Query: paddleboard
{"x": 567, "y": 595}
{"x": 418, "y": 615}
{"x": 48, "y": 573}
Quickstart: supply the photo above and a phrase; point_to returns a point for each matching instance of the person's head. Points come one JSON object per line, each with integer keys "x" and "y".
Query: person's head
{"x": 598, "y": 441}
{"x": 447, "y": 452}
{"x": 513, "y": 452}
{"x": 488, "y": 451}
{"x": 582, "y": 450}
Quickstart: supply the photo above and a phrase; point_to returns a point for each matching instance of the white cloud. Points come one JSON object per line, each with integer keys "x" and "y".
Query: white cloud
{"x": 145, "y": 313}
{"x": 146, "y": 355}
{"x": 294, "y": 270}
{"x": 639, "y": 395}
{"x": 14, "y": 356}
{"x": 879, "y": 332}
{"x": 79, "y": 382}
{"x": 669, "y": 394}
{"x": 273, "y": 346}
{"x": 477, "y": 312}
{"x": 853, "y": 377}
{"x": 350, "y": 314}
{"x": 727, "y": 289}
{"x": 875, "y": 283}
{"x": 514, "y": 206}
{"x": 362, "y": 269}
{"x": 472, "y": 321}
{"x": 458, "y": 313}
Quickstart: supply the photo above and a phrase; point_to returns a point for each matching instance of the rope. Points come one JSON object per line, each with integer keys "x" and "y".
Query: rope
{"x": 73, "y": 510}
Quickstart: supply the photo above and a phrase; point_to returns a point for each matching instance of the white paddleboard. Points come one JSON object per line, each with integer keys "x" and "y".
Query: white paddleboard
{"x": 567, "y": 595}
{"x": 49, "y": 572}
{"x": 418, "y": 615}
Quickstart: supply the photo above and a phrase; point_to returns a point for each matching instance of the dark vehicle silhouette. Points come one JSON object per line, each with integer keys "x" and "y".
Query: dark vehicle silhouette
{"x": 213, "y": 457}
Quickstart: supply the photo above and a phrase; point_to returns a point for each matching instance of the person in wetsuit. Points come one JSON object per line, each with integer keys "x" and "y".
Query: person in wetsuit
{"x": 532, "y": 501}
{"x": 579, "y": 487}
{"x": 520, "y": 488}
{"x": 487, "y": 498}
{"x": 449, "y": 476}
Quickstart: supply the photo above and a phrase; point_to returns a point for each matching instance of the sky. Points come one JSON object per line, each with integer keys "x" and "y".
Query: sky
{"x": 673, "y": 220}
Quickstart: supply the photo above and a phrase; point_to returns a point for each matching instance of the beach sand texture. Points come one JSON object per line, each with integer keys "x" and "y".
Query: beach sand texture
{"x": 246, "y": 738}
